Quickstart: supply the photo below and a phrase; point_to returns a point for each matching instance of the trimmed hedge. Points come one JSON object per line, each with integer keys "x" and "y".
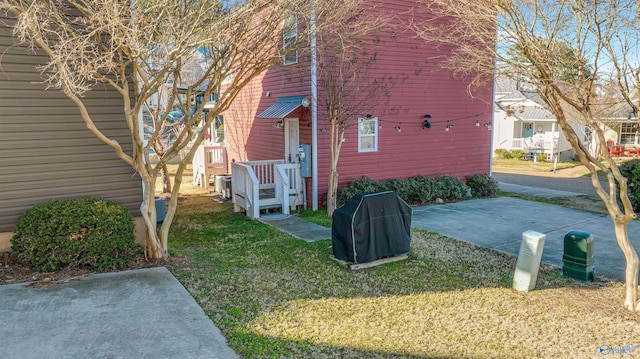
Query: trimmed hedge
{"x": 482, "y": 185}
{"x": 75, "y": 232}
{"x": 414, "y": 190}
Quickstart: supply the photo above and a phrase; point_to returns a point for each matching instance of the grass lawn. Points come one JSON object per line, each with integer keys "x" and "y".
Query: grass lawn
{"x": 275, "y": 296}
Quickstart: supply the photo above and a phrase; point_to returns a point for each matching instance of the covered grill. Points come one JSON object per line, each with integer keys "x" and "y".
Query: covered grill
{"x": 371, "y": 226}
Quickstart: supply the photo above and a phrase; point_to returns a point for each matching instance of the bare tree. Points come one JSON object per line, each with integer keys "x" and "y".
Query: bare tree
{"x": 137, "y": 47}
{"x": 567, "y": 51}
{"x": 157, "y": 113}
{"x": 347, "y": 56}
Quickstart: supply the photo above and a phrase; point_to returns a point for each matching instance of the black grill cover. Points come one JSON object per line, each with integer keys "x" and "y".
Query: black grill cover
{"x": 371, "y": 226}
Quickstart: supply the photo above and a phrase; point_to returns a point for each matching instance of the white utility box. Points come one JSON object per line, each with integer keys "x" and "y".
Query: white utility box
{"x": 528, "y": 264}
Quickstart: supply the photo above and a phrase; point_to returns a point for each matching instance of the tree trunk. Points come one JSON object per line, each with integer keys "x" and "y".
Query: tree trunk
{"x": 332, "y": 194}
{"x": 633, "y": 264}
{"x": 154, "y": 249}
{"x": 173, "y": 205}
{"x": 337, "y": 135}
{"x": 166, "y": 180}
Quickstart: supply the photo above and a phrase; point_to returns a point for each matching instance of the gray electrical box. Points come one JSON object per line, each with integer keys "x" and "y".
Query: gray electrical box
{"x": 304, "y": 156}
{"x": 528, "y": 263}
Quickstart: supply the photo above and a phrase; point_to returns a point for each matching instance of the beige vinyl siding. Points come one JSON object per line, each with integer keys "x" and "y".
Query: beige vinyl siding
{"x": 46, "y": 150}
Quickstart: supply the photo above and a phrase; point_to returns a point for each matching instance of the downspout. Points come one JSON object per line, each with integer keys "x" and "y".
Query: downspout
{"x": 493, "y": 106}
{"x": 314, "y": 113}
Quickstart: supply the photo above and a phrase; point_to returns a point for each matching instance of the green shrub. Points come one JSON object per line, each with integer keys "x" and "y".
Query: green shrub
{"x": 482, "y": 185}
{"x": 357, "y": 186}
{"x": 517, "y": 154}
{"x": 631, "y": 171}
{"x": 402, "y": 187}
{"x": 450, "y": 188}
{"x": 75, "y": 232}
{"x": 414, "y": 190}
{"x": 503, "y": 153}
{"x": 541, "y": 157}
{"x": 425, "y": 189}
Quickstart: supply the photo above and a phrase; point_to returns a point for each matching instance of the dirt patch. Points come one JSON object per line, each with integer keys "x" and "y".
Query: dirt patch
{"x": 572, "y": 172}
{"x": 15, "y": 271}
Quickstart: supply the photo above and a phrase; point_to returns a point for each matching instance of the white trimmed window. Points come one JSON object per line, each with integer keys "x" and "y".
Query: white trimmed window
{"x": 368, "y": 134}
{"x": 628, "y": 133}
{"x": 289, "y": 40}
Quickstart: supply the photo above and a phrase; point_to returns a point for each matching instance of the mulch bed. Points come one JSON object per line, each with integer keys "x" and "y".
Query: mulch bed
{"x": 15, "y": 271}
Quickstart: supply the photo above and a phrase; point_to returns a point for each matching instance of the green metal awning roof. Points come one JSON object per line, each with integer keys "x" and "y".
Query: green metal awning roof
{"x": 282, "y": 107}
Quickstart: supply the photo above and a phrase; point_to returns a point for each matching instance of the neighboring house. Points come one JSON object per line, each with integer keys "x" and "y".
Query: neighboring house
{"x": 46, "y": 150}
{"x": 523, "y": 122}
{"x": 274, "y": 115}
{"x": 620, "y": 126}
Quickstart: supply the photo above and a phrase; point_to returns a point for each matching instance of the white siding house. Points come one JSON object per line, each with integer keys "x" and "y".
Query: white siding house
{"x": 522, "y": 122}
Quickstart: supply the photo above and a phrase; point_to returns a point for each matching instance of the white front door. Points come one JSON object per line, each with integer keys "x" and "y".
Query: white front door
{"x": 291, "y": 139}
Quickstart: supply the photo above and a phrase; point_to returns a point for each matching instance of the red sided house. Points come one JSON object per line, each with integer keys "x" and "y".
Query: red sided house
{"x": 275, "y": 138}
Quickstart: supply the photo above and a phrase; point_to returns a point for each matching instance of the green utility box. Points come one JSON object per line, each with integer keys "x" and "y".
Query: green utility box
{"x": 578, "y": 258}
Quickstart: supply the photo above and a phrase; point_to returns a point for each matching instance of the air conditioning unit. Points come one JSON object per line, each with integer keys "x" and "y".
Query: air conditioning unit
{"x": 226, "y": 187}
{"x": 218, "y": 185}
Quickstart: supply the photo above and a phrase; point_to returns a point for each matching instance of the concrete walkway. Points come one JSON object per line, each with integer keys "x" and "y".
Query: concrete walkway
{"x": 142, "y": 313}
{"x": 297, "y": 227}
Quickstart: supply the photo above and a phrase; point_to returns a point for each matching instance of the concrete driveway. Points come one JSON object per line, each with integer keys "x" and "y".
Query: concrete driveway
{"x": 498, "y": 223}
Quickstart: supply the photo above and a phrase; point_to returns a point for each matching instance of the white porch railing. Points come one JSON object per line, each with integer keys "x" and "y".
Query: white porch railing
{"x": 246, "y": 189}
{"x": 207, "y": 161}
{"x": 296, "y": 183}
{"x": 266, "y": 184}
{"x": 265, "y": 171}
{"x": 541, "y": 142}
{"x": 281, "y": 188}
{"x": 517, "y": 143}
